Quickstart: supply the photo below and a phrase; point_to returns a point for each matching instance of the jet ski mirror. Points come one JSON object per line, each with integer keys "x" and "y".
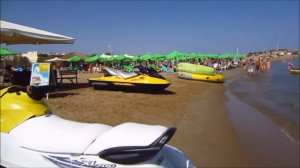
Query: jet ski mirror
{"x": 16, "y": 89}
{"x": 36, "y": 93}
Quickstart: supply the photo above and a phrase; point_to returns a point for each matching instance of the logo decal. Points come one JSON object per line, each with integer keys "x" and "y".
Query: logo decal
{"x": 66, "y": 162}
{"x": 123, "y": 84}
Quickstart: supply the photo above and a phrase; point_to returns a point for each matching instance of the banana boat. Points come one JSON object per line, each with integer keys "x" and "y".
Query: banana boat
{"x": 295, "y": 71}
{"x": 217, "y": 78}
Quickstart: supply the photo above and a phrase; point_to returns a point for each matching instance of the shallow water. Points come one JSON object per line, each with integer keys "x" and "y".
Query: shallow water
{"x": 274, "y": 93}
{"x": 264, "y": 110}
{"x": 262, "y": 142}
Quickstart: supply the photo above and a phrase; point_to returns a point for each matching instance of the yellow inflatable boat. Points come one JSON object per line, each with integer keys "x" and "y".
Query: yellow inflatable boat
{"x": 295, "y": 71}
{"x": 218, "y": 78}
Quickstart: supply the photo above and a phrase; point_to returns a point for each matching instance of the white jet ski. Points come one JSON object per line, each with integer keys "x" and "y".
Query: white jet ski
{"x": 31, "y": 136}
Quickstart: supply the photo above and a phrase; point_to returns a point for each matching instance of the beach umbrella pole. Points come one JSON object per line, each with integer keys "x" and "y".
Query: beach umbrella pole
{"x": 3, "y": 62}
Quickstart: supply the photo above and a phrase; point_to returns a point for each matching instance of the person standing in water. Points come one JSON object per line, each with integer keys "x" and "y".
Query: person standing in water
{"x": 268, "y": 62}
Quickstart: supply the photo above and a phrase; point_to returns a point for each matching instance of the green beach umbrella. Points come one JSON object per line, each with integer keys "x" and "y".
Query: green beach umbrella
{"x": 155, "y": 57}
{"x": 109, "y": 59}
{"x": 238, "y": 55}
{"x": 146, "y": 56}
{"x": 201, "y": 56}
{"x": 214, "y": 56}
{"x": 94, "y": 58}
{"x": 127, "y": 59}
{"x": 5, "y": 51}
{"x": 119, "y": 57}
{"x": 193, "y": 55}
{"x": 225, "y": 56}
{"x": 175, "y": 55}
{"x": 75, "y": 58}
{"x": 159, "y": 56}
{"x": 135, "y": 58}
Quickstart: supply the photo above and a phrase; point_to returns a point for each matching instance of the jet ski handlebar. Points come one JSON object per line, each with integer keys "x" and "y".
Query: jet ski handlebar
{"x": 35, "y": 93}
{"x": 14, "y": 89}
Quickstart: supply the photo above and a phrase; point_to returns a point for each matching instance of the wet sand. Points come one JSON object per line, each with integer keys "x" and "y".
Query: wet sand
{"x": 204, "y": 131}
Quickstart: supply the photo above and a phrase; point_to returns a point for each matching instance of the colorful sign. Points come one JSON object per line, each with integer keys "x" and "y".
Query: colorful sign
{"x": 40, "y": 74}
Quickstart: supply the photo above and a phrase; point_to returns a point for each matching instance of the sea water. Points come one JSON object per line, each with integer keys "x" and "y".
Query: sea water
{"x": 264, "y": 110}
{"x": 276, "y": 93}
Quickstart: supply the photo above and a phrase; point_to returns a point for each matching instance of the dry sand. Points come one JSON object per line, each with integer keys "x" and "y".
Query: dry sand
{"x": 195, "y": 108}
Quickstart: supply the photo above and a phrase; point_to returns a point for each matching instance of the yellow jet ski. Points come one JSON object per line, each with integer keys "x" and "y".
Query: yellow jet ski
{"x": 142, "y": 79}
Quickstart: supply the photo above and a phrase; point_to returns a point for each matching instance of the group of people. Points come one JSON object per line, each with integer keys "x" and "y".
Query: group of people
{"x": 254, "y": 65}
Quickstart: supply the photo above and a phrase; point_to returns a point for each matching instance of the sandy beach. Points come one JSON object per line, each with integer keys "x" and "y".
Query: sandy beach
{"x": 196, "y": 109}
{"x": 214, "y": 127}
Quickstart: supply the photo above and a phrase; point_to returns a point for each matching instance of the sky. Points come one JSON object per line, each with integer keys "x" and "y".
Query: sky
{"x": 140, "y": 26}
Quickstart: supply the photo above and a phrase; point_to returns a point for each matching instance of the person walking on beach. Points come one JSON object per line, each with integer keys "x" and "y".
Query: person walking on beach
{"x": 251, "y": 64}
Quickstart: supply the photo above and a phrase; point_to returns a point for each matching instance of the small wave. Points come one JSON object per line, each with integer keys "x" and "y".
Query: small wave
{"x": 286, "y": 133}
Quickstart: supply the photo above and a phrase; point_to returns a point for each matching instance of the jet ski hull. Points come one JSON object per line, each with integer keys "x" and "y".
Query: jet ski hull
{"x": 13, "y": 155}
{"x": 98, "y": 84}
{"x": 139, "y": 83}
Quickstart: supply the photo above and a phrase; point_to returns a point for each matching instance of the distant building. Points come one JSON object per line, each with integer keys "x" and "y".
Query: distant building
{"x": 31, "y": 55}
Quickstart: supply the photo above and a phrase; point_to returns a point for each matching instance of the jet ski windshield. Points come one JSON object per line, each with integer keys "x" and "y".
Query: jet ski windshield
{"x": 147, "y": 70}
{"x": 119, "y": 73}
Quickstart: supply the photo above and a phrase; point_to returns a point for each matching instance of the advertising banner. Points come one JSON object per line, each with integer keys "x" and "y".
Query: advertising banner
{"x": 40, "y": 74}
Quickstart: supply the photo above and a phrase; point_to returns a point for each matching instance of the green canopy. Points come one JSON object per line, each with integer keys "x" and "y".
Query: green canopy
{"x": 214, "y": 56}
{"x": 119, "y": 57}
{"x": 175, "y": 55}
{"x": 5, "y": 51}
{"x": 128, "y": 68}
{"x": 225, "y": 56}
{"x": 75, "y": 58}
{"x": 109, "y": 59}
{"x": 136, "y": 58}
{"x": 231, "y": 55}
{"x": 156, "y": 57}
{"x": 238, "y": 55}
{"x": 146, "y": 57}
{"x": 94, "y": 58}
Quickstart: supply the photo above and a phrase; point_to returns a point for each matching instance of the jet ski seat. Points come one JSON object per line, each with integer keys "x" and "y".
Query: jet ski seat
{"x": 130, "y": 143}
{"x": 127, "y": 143}
{"x": 50, "y": 133}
